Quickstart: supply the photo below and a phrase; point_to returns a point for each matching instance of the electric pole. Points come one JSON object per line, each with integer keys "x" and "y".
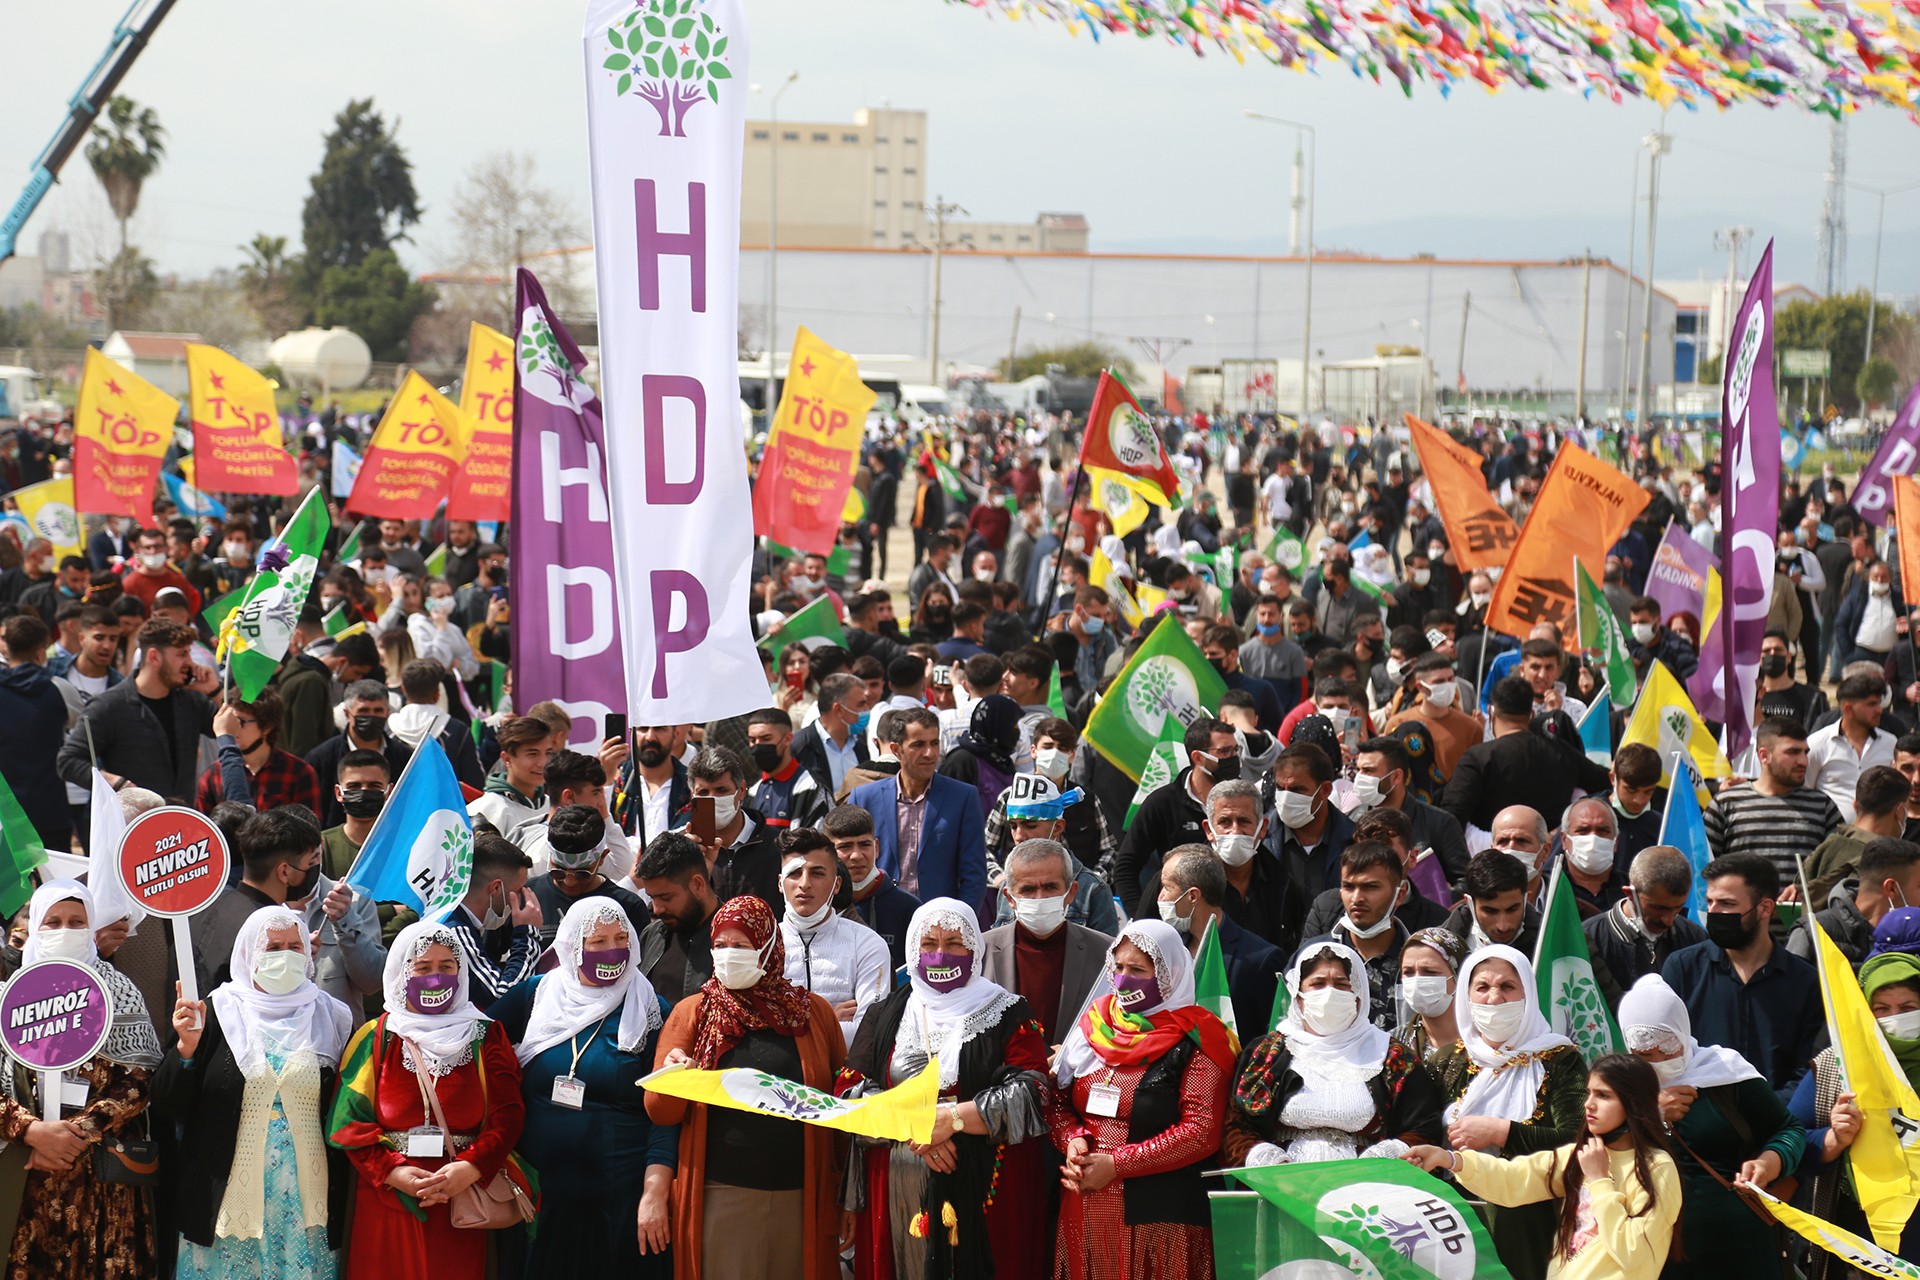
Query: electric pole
{"x": 1580, "y": 376}
{"x": 1734, "y": 240}
{"x": 1833, "y": 214}
{"x": 940, "y": 210}
{"x": 1657, "y": 144}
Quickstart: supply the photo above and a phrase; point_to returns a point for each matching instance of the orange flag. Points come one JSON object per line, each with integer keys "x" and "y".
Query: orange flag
{"x": 482, "y": 488}
{"x": 1906, "y": 523}
{"x": 121, "y": 429}
{"x": 1583, "y": 508}
{"x": 236, "y": 428}
{"x": 1479, "y": 533}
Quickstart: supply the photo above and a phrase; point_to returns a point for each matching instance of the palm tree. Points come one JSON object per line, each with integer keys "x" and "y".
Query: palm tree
{"x": 124, "y": 153}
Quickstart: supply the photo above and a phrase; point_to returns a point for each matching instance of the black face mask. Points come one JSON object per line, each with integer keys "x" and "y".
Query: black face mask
{"x": 1613, "y": 1135}
{"x": 1225, "y": 769}
{"x": 1730, "y": 930}
{"x": 939, "y": 617}
{"x": 301, "y": 891}
{"x": 1773, "y": 665}
{"x": 368, "y": 727}
{"x": 363, "y": 804}
{"x": 766, "y": 757}
{"x": 1218, "y": 664}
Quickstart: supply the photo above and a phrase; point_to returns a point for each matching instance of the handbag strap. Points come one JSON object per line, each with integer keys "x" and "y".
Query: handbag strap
{"x": 1745, "y": 1197}
{"x": 427, "y": 1091}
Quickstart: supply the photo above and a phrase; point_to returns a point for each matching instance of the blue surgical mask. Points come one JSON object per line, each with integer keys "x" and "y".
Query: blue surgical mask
{"x": 1266, "y": 629}
{"x": 860, "y": 722}
{"x": 1094, "y": 626}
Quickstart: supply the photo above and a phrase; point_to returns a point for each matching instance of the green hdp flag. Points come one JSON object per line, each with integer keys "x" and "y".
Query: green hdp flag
{"x": 257, "y": 638}
{"x": 1600, "y": 629}
{"x": 350, "y": 549}
{"x": 437, "y": 562}
{"x": 1167, "y": 678}
{"x": 950, "y": 481}
{"x": 839, "y": 560}
{"x": 1286, "y": 549}
{"x": 1210, "y": 981}
{"x": 1281, "y": 1003}
{"x": 217, "y": 613}
{"x": 1379, "y": 1218}
{"x": 23, "y": 852}
{"x": 1056, "y": 698}
{"x": 1168, "y": 758}
{"x": 1569, "y": 996}
{"x": 813, "y": 622}
{"x": 337, "y": 621}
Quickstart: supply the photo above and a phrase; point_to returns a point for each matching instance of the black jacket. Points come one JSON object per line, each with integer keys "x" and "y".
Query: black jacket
{"x": 811, "y": 752}
{"x": 1622, "y": 955}
{"x": 325, "y": 760}
{"x": 1460, "y": 924}
{"x": 1518, "y": 768}
{"x": 1416, "y": 913}
{"x": 752, "y": 866}
{"x": 1850, "y": 931}
{"x": 132, "y": 743}
{"x": 1168, "y": 818}
{"x": 202, "y": 1102}
{"x": 35, "y": 716}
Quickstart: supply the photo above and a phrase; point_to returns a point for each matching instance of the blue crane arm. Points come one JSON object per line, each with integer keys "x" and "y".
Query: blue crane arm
{"x": 129, "y": 38}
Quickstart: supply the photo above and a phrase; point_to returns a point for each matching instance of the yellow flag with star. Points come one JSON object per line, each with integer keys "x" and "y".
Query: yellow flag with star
{"x": 483, "y": 487}
{"x": 238, "y": 446}
{"x": 121, "y": 429}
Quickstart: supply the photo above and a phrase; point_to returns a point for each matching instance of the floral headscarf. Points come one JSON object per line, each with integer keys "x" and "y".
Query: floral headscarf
{"x": 772, "y": 1003}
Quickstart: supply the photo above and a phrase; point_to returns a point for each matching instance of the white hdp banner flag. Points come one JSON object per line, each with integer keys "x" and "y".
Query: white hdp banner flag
{"x": 666, "y": 112}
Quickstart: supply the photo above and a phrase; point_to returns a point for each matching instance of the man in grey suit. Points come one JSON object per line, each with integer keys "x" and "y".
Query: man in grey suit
{"x": 1051, "y": 963}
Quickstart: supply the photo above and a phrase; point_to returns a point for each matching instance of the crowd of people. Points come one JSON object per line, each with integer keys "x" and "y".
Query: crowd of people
{"x": 913, "y": 854}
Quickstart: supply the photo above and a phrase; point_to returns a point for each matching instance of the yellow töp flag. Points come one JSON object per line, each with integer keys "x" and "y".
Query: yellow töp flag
{"x": 1665, "y": 720}
{"x": 903, "y": 1113}
{"x": 238, "y": 446}
{"x": 482, "y": 488}
{"x": 1884, "y": 1160}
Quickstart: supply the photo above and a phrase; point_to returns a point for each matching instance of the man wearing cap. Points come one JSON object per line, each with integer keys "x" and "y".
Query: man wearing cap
{"x": 577, "y": 840}
{"x": 1036, "y": 809}
{"x": 1048, "y": 960}
{"x": 834, "y": 956}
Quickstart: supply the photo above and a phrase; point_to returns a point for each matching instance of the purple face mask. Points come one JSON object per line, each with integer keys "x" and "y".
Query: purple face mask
{"x": 431, "y": 992}
{"x": 603, "y": 968}
{"x": 943, "y": 971}
{"x": 1135, "y": 995}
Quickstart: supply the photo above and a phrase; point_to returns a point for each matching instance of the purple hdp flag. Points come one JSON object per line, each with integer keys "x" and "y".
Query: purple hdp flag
{"x": 566, "y": 640}
{"x": 1898, "y": 452}
{"x": 1750, "y": 512}
{"x": 1678, "y": 578}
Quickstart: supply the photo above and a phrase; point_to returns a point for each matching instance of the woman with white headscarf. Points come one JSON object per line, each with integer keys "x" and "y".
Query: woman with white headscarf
{"x": 1722, "y": 1111}
{"x": 74, "y": 1224}
{"x": 1142, "y": 1091}
{"x": 1514, "y": 1086}
{"x": 1326, "y": 1084}
{"x": 431, "y": 1037}
{"x": 586, "y": 1032}
{"x": 247, "y": 1083}
{"x": 972, "y": 1202}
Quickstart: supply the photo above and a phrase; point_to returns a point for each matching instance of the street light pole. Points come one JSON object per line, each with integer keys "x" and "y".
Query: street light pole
{"x": 1656, "y": 144}
{"x": 773, "y": 236}
{"x": 1313, "y": 191}
{"x": 1879, "y": 225}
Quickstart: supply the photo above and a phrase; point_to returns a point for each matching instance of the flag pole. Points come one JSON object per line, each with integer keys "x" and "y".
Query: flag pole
{"x": 1667, "y": 813}
{"x": 385, "y": 811}
{"x": 1060, "y": 556}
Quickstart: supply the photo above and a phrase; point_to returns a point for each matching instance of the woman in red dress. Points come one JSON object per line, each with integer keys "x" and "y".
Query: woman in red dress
{"x": 1141, "y": 1105}
{"x": 409, "y": 1168}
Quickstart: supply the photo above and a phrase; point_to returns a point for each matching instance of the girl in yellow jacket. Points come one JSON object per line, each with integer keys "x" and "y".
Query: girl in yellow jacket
{"x": 1618, "y": 1189}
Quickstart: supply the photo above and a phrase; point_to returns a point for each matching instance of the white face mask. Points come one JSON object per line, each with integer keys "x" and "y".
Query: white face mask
{"x": 66, "y": 944}
{"x": 1643, "y": 632}
{"x": 1591, "y": 855}
{"x": 1525, "y": 858}
{"x": 799, "y": 921}
{"x": 1481, "y": 599}
{"x": 725, "y": 809}
{"x": 1170, "y": 914}
{"x": 1235, "y": 850}
{"x": 280, "y": 973}
{"x": 737, "y": 967}
{"x": 1422, "y": 576}
{"x": 1670, "y": 1071}
{"x": 1426, "y": 994}
{"x": 1328, "y": 1010}
{"x": 1496, "y": 1023}
{"x": 1441, "y": 695}
{"x": 1395, "y": 669}
{"x": 238, "y": 552}
{"x": 1435, "y": 551}
{"x": 1874, "y": 588}
{"x": 1374, "y": 930}
{"x": 1368, "y": 789}
{"x": 1901, "y": 1026}
{"x": 1041, "y": 916}
{"x": 158, "y": 560}
{"x": 1296, "y": 810}
{"x": 860, "y": 885}
{"x": 1051, "y": 762}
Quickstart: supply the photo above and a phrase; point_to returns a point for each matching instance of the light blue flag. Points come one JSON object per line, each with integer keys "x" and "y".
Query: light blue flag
{"x": 346, "y": 469}
{"x": 191, "y": 502}
{"x": 1596, "y": 731}
{"x": 1359, "y": 540}
{"x": 489, "y": 530}
{"x": 420, "y": 851}
{"x": 1685, "y": 829}
{"x": 1792, "y": 449}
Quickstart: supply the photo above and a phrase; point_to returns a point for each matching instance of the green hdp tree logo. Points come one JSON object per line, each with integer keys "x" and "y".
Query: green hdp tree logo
{"x": 672, "y": 55}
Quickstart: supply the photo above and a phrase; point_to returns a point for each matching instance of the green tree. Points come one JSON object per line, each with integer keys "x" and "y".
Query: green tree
{"x": 375, "y": 298}
{"x": 1836, "y": 325}
{"x": 124, "y": 153}
{"x": 1877, "y": 382}
{"x": 130, "y": 284}
{"x": 1078, "y": 360}
{"x": 362, "y": 199}
{"x": 267, "y": 279}
{"x": 672, "y": 59}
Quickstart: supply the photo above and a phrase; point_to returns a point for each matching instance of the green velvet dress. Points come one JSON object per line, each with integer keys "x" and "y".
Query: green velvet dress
{"x": 1722, "y": 1236}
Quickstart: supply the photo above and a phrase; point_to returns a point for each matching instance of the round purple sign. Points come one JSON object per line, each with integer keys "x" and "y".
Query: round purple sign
{"x": 54, "y": 1015}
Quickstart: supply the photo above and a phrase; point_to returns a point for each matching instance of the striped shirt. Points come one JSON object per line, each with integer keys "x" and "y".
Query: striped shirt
{"x": 1778, "y": 828}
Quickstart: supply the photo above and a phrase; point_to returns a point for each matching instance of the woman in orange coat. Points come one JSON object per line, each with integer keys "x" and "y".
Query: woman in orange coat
{"x": 755, "y": 1196}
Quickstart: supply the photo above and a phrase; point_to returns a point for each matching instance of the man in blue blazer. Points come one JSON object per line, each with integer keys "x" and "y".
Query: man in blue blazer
{"x": 948, "y": 859}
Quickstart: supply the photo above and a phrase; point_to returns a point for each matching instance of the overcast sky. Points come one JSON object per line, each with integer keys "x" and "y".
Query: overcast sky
{"x": 1146, "y": 140}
